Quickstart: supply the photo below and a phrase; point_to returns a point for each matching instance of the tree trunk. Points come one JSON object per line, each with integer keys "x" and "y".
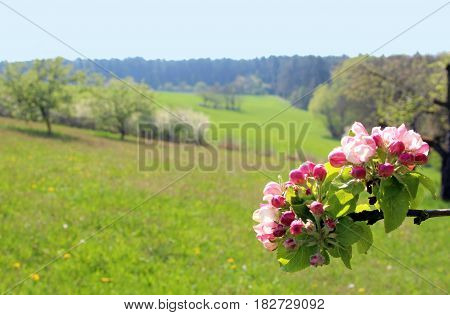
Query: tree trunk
{"x": 445, "y": 171}
{"x": 46, "y": 116}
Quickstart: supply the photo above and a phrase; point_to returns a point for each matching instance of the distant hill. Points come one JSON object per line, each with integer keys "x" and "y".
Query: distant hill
{"x": 288, "y": 77}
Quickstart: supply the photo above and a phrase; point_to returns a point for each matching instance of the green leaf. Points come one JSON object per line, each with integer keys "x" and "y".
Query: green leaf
{"x": 394, "y": 201}
{"x": 342, "y": 196}
{"x": 346, "y": 255}
{"x": 427, "y": 183}
{"x": 297, "y": 260}
{"x": 366, "y": 240}
{"x": 411, "y": 182}
{"x": 326, "y": 256}
{"x": 347, "y": 231}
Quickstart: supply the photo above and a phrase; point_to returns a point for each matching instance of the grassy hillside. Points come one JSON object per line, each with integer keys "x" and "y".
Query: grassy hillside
{"x": 194, "y": 237}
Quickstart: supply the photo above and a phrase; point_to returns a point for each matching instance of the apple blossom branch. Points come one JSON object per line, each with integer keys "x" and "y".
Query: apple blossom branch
{"x": 419, "y": 216}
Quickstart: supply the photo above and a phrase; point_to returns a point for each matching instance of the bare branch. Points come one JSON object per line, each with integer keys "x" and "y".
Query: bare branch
{"x": 419, "y": 215}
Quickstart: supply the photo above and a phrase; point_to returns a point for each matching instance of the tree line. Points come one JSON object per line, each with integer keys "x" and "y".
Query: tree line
{"x": 286, "y": 76}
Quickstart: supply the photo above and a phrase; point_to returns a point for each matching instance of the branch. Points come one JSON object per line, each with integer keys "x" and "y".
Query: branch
{"x": 419, "y": 215}
{"x": 440, "y": 103}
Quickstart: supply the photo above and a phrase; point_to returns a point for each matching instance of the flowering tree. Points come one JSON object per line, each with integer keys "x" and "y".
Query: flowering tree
{"x": 319, "y": 212}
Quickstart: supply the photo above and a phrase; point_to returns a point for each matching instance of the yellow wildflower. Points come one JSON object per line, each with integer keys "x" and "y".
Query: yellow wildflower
{"x": 230, "y": 260}
{"x": 16, "y": 265}
{"x": 35, "y": 277}
{"x": 51, "y": 189}
{"x": 197, "y": 251}
{"x": 361, "y": 290}
{"x": 105, "y": 279}
{"x": 233, "y": 267}
{"x": 67, "y": 256}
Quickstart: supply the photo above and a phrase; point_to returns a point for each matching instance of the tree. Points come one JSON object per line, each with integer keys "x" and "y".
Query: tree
{"x": 117, "y": 105}
{"x": 390, "y": 91}
{"x": 33, "y": 92}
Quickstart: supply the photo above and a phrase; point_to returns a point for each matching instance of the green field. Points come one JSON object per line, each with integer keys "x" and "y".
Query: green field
{"x": 195, "y": 237}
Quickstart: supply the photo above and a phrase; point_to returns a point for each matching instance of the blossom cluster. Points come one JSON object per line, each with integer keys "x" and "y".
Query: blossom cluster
{"x": 277, "y": 221}
{"x": 305, "y": 212}
{"x": 394, "y": 148}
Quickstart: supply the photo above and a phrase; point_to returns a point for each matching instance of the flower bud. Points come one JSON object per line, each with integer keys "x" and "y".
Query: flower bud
{"x": 279, "y": 230}
{"x": 316, "y": 208}
{"x": 287, "y": 218}
{"x": 278, "y": 201}
{"x": 310, "y": 226}
{"x": 290, "y": 244}
{"x": 317, "y": 260}
{"x": 385, "y": 170}
{"x": 396, "y": 147}
{"x": 330, "y": 223}
{"x": 358, "y": 172}
{"x": 378, "y": 140}
{"x": 307, "y": 167}
{"x": 319, "y": 172}
{"x": 308, "y": 191}
{"x": 297, "y": 177}
{"x": 337, "y": 158}
{"x": 420, "y": 158}
{"x": 406, "y": 158}
{"x": 296, "y": 227}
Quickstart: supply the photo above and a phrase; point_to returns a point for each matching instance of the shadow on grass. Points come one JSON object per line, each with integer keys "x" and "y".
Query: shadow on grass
{"x": 41, "y": 133}
{"x": 113, "y": 136}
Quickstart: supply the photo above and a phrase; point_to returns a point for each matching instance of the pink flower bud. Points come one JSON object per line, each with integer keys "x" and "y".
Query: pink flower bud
{"x": 297, "y": 227}
{"x": 287, "y": 218}
{"x": 317, "y": 260}
{"x": 420, "y": 158}
{"x": 297, "y": 177}
{"x": 385, "y": 170}
{"x": 396, "y": 147}
{"x": 279, "y": 230}
{"x": 330, "y": 223}
{"x": 278, "y": 201}
{"x": 308, "y": 191}
{"x": 406, "y": 158}
{"x": 319, "y": 172}
{"x": 290, "y": 244}
{"x": 307, "y": 167}
{"x": 316, "y": 208}
{"x": 378, "y": 140}
{"x": 337, "y": 157}
{"x": 358, "y": 172}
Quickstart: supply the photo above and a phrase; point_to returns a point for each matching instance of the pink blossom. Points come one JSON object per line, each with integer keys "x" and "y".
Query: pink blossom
{"x": 267, "y": 213}
{"x": 297, "y": 227}
{"x": 297, "y": 176}
{"x": 358, "y": 172}
{"x": 319, "y": 172}
{"x": 290, "y": 244}
{"x": 396, "y": 147}
{"x": 279, "y": 230}
{"x": 358, "y": 149}
{"x": 358, "y": 129}
{"x": 287, "y": 217}
{"x": 278, "y": 201}
{"x": 385, "y": 170}
{"x": 271, "y": 189}
{"x": 317, "y": 260}
{"x": 267, "y": 241}
{"x": 406, "y": 158}
{"x": 420, "y": 158}
{"x": 412, "y": 140}
{"x": 330, "y": 223}
{"x": 337, "y": 157}
{"x": 316, "y": 208}
{"x": 307, "y": 168}
{"x": 310, "y": 226}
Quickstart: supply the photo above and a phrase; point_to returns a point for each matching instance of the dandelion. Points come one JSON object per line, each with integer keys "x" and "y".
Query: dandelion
{"x": 35, "y": 277}
{"x": 230, "y": 260}
{"x": 16, "y": 265}
{"x": 67, "y": 256}
{"x": 233, "y": 267}
{"x": 197, "y": 251}
{"x": 361, "y": 290}
{"x": 105, "y": 280}
{"x": 51, "y": 189}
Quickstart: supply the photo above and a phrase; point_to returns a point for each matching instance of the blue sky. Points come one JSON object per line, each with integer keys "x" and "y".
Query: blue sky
{"x": 180, "y": 29}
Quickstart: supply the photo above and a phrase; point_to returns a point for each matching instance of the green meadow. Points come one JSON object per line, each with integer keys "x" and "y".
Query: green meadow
{"x": 177, "y": 232}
